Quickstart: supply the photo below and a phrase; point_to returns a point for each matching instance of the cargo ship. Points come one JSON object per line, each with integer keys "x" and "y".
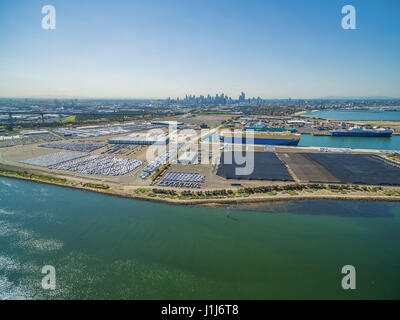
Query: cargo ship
{"x": 270, "y": 129}
{"x": 359, "y": 132}
{"x": 261, "y": 127}
{"x": 261, "y": 138}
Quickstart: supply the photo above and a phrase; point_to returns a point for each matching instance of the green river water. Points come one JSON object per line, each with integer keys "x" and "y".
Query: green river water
{"x": 105, "y": 247}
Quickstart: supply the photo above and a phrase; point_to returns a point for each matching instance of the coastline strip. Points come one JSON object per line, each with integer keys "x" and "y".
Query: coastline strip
{"x": 217, "y": 201}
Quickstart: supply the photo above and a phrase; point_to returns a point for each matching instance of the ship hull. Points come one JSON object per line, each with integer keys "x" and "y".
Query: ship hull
{"x": 361, "y": 134}
{"x": 270, "y": 130}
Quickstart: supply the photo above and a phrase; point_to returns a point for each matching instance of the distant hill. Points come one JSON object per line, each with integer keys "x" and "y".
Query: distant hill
{"x": 360, "y": 98}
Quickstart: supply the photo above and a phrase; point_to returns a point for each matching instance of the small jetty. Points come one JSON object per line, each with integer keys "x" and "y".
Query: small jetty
{"x": 321, "y": 133}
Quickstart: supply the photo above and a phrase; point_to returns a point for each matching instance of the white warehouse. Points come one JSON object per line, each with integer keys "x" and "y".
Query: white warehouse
{"x": 187, "y": 158}
{"x": 141, "y": 139}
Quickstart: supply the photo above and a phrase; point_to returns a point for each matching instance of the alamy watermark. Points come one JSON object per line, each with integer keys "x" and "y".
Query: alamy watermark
{"x": 349, "y": 20}
{"x": 349, "y": 280}
{"x": 49, "y": 280}
{"x": 49, "y": 20}
{"x": 237, "y": 147}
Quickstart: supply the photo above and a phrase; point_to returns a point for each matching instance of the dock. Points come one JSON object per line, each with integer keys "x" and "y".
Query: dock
{"x": 322, "y": 133}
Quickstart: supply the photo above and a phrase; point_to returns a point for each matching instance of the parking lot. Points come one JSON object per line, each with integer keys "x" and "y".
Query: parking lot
{"x": 182, "y": 180}
{"x": 106, "y": 130}
{"x": 100, "y": 165}
{"x": 52, "y": 159}
{"x": 358, "y": 168}
{"x": 123, "y": 149}
{"x": 159, "y": 161}
{"x": 27, "y": 140}
{"x": 83, "y": 147}
{"x": 266, "y": 166}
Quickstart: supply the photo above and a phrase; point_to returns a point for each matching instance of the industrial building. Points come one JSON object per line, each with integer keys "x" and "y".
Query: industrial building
{"x": 34, "y": 133}
{"x": 187, "y": 158}
{"x": 167, "y": 123}
{"x": 141, "y": 139}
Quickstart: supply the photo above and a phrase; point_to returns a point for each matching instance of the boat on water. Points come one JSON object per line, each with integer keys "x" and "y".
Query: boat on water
{"x": 261, "y": 138}
{"x": 360, "y": 132}
{"x": 270, "y": 129}
{"x": 391, "y": 110}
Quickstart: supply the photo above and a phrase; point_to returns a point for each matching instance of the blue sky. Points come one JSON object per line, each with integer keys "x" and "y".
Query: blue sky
{"x": 161, "y": 48}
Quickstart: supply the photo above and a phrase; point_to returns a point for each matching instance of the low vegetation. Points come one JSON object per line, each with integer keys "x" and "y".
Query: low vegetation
{"x": 142, "y": 190}
{"x": 394, "y": 157}
{"x": 97, "y": 186}
{"x": 273, "y": 190}
{"x": 69, "y": 119}
{"x": 31, "y": 176}
{"x": 159, "y": 171}
{"x": 392, "y": 193}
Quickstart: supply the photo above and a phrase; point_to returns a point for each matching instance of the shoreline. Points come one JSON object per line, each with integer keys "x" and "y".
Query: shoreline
{"x": 216, "y": 202}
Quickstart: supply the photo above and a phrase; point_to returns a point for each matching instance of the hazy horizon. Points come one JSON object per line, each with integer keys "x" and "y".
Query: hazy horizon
{"x": 158, "y": 49}
{"x": 158, "y": 98}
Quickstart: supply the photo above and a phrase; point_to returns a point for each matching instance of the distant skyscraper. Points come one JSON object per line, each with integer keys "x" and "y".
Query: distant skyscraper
{"x": 242, "y": 97}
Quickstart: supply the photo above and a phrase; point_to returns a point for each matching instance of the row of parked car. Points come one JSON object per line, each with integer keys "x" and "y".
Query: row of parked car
{"x": 83, "y": 147}
{"x": 52, "y": 159}
{"x": 100, "y": 165}
{"x": 159, "y": 161}
{"x": 183, "y": 176}
{"x": 179, "y": 184}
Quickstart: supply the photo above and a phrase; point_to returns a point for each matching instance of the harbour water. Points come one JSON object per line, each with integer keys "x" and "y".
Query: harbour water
{"x": 105, "y": 247}
{"x": 375, "y": 114}
{"x": 392, "y": 143}
{"x": 307, "y": 140}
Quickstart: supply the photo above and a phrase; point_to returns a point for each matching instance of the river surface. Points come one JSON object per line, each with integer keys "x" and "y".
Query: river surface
{"x": 392, "y": 143}
{"x": 373, "y": 114}
{"x": 307, "y": 140}
{"x": 105, "y": 247}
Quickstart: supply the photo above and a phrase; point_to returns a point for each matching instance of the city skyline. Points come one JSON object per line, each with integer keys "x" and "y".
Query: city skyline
{"x": 160, "y": 49}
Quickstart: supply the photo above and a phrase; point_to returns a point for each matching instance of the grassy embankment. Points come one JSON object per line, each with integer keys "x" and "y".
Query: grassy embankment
{"x": 377, "y": 123}
{"x": 96, "y": 186}
{"x": 159, "y": 171}
{"x": 394, "y": 157}
{"x": 69, "y": 119}
{"x": 289, "y": 190}
{"x": 30, "y": 176}
{"x": 41, "y": 178}
{"x": 265, "y": 192}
